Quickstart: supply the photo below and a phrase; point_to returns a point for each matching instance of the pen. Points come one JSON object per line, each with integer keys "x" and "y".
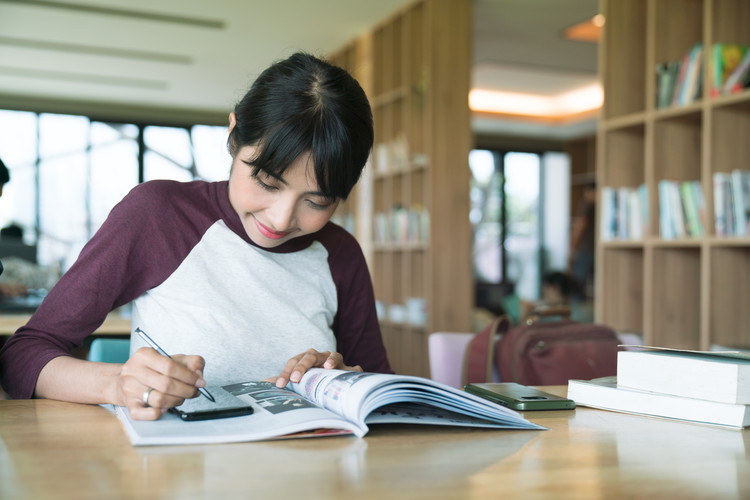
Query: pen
{"x": 161, "y": 351}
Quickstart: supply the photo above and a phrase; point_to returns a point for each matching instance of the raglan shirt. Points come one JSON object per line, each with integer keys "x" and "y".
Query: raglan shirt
{"x": 200, "y": 285}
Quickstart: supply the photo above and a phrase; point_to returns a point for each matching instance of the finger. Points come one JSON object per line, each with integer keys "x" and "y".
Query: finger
{"x": 194, "y": 363}
{"x": 157, "y": 399}
{"x": 186, "y": 369}
{"x": 283, "y": 377}
{"x": 335, "y": 360}
{"x": 308, "y": 360}
{"x": 140, "y": 412}
{"x": 175, "y": 380}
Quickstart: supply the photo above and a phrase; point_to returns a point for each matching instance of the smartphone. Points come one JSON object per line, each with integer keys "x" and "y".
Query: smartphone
{"x": 190, "y": 416}
{"x": 200, "y": 408}
{"x": 520, "y": 397}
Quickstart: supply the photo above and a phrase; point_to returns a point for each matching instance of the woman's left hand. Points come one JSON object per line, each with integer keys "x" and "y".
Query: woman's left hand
{"x": 299, "y": 364}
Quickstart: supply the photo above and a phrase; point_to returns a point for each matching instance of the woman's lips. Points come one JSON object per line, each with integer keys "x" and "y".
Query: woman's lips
{"x": 270, "y": 233}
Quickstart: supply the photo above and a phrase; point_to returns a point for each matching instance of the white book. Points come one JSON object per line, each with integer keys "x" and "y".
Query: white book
{"x": 738, "y": 201}
{"x": 606, "y": 394}
{"x": 666, "y": 224}
{"x": 635, "y": 229}
{"x": 608, "y": 215}
{"x": 623, "y": 213}
{"x": 720, "y": 180}
{"x": 325, "y": 403}
{"x": 715, "y": 376}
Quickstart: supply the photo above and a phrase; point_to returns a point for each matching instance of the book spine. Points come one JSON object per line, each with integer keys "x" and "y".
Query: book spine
{"x": 691, "y": 209}
{"x": 680, "y": 80}
{"x": 700, "y": 203}
{"x": 720, "y": 218}
{"x": 607, "y": 224}
{"x": 623, "y": 213}
{"x": 645, "y": 213}
{"x": 691, "y": 88}
{"x": 738, "y": 205}
{"x": 635, "y": 228}
{"x": 665, "y": 217}
{"x": 716, "y": 70}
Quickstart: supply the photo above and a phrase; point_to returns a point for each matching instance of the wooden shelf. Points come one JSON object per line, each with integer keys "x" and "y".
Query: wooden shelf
{"x": 417, "y": 67}
{"x": 687, "y": 292}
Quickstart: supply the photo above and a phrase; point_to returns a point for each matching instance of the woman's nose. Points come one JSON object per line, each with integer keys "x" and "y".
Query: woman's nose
{"x": 282, "y": 214}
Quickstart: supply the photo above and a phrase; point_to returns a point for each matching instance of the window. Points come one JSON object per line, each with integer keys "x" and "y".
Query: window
{"x": 68, "y": 172}
{"x": 520, "y": 220}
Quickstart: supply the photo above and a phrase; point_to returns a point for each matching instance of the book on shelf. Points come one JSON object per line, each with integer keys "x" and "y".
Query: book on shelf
{"x": 691, "y": 195}
{"x": 682, "y": 210}
{"x": 624, "y": 213}
{"x": 607, "y": 394}
{"x": 669, "y": 215}
{"x": 722, "y": 376}
{"x": 724, "y": 60}
{"x": 689, "y": 82}
{"x": 720, "y": 184}
{"x": 691, "y": 89}
{"x": 608, "y": 222}
{"x": 732, "y": 202}
{"x": 666, "y": 77}
{"x": 325, "y": 403}
{"x": 739, "y": 78}
{"x": 680, "y": 81}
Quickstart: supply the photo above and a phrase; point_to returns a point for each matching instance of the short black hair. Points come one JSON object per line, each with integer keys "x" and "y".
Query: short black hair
{"x": 4, "y": 173}
{"x": 306, "y": 104}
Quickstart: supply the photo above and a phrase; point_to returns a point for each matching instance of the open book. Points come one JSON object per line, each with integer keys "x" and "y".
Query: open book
{"x": 324, "y": 403}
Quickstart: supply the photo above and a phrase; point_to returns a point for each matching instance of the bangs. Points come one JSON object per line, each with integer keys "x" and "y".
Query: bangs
{"x": 326, "y": 141}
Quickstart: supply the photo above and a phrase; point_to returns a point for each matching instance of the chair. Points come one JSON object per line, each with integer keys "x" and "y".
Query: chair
{"x": 109, "y": 350}
{"x": 446, "y": 352}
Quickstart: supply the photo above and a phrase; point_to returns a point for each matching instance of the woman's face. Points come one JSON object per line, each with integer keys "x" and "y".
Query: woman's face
{"x": 274, "y": 210}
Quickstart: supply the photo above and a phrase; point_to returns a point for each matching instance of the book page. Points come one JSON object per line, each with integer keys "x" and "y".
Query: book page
{"x": 355, "y": 395}
{"x": 276, "y": 413}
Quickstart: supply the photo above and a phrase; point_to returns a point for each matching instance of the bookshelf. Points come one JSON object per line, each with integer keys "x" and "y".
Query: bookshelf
{"x": 686, "y": 292}
{"x": 412, "y": 206}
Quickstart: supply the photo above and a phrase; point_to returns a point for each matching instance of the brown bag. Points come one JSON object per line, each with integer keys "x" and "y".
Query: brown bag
{"x": 541, "y": 352}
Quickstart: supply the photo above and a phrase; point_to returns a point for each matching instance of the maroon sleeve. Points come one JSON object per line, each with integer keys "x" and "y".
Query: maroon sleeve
{"x": 142, "y": 241}
{"x": 355, "y": 326}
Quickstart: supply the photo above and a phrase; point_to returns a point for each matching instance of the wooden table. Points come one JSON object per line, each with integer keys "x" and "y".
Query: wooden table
{"x": 50, "y": 449}
{"x": 115, "y": 324}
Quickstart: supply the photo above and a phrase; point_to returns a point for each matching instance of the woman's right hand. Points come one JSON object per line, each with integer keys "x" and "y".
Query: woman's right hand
{"x": 170, "y": 381}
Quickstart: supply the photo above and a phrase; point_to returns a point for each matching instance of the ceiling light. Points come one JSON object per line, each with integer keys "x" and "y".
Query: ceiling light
{"x": 556, "y": 107}
{"x": 586, "y": 31}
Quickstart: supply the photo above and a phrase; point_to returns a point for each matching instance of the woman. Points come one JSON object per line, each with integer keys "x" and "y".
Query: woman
{"x": 247, "y": 275}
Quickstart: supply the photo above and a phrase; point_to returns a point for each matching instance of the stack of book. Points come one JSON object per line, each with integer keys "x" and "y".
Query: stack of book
{"x": 679, "y": 83}
{"x": 682, "y": 209}
{"x": 710, "y": 387}
{"x": 624, "y": 214}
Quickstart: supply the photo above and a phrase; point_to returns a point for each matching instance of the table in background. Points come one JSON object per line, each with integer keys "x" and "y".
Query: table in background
{"x": 50, "y": 449}
{"x": 115, "y": 324}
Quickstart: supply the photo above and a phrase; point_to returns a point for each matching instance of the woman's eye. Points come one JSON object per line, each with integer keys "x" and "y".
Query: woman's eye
{"x": 263, "y": 185}
{"x": 319, "y": 206}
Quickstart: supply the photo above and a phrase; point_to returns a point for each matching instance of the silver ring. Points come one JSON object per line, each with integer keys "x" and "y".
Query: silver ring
{"x": 145, "y": 396}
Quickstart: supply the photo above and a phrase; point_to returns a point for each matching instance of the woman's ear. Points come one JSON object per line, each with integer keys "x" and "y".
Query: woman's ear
{"x": 231, "y": 143}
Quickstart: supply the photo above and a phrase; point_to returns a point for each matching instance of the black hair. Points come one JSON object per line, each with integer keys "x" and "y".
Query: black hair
{"x": 562, "y": 281}
{"x": 4, "y": 173}
{"x": 305, "y": 104}
{"x": 12, "y": 231}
